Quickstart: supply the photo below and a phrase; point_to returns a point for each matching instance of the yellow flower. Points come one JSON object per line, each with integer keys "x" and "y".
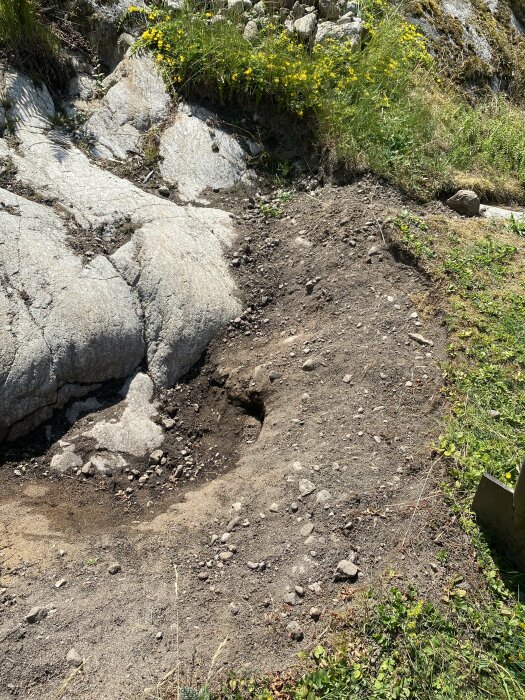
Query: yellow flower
{"x": 508, "y": 476}
{"x": 248, "y": 71}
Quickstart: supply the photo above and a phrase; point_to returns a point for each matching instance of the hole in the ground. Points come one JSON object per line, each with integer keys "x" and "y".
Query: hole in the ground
{"x": 252, "y": 404}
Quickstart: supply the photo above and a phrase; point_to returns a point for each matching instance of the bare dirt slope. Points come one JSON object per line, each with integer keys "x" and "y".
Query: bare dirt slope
{"x": 287, "y": 468}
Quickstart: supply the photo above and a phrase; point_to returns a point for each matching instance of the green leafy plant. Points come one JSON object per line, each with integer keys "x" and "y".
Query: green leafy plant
{"x": 516, "y": 225}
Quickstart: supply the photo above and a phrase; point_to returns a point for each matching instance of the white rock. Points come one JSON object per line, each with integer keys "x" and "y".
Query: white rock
{"x": 135, "y": 101}
{"x": 135, "y": 432}
{"x": 196, "y": 156}
{"x": 305, "y": 26}
{"x": 345, "y": 29}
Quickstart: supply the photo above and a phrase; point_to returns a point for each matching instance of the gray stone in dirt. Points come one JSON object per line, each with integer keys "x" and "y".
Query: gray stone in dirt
{"x": 88, "y": 469}
{"x": 290, "y": 598}
{"x": 420, "y": 339}
{"x": 305, "y": 26}
{"x": 307, "y": 529}
{"x": 323, "y": 497}
{"x": 346, "y": 570}
{"x": 135, "y": 100}
{"x": 306, "y": 487}
{"x": 310, "y": 365}
{"x": 274, "y": 508}
{"x": 465, "y": 202}
{"x": 225, "y": 556}
{"x": 315, "y": 613}
{"x": 114, "y": 568}
{"x": 156, "y": 456}
{"x": 164, "y": 191}
{"x": 74, "y": 659}
{"x": 295, "y": 632}
{"x": 190, "y": 160}
{"x": 300, "y": 591}
{"x": 374, "y": 250}
{"x": 347, "y": 378}
{"x": 65, "y": 462}
{"x": 35, "y": 614}
{"x": 135, "y": 432}
{"x": 60, "y": 583}
{"x": 233, "y": 523}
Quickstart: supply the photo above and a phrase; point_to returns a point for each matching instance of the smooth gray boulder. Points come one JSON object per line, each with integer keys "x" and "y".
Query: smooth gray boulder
{"x": 61, "y": 322}
{"x": 197, "y": 154}
{"x": 135, "y": 101}
{"x": 170, "y": 284}
{"x": 465, "y": 202}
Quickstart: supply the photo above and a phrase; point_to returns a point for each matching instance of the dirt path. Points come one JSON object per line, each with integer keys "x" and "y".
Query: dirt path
{"x": 257, "y": 428}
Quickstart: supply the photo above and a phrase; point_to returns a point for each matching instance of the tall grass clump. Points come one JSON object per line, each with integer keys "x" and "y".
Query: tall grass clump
{"x": 28, "y": 42}
{"x": 378, "y": 104}
{"x": 357, "y": 101}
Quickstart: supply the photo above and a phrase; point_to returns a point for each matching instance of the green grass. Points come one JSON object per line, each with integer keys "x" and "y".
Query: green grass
{"x": 380, "y": 106}
{"x": 28, "y": 42}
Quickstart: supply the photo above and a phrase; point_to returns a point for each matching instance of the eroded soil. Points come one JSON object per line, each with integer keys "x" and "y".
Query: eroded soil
{"x": 208, "y": 556}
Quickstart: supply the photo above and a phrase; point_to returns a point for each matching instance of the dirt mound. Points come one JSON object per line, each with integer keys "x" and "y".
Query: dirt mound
{"x": 304, "y": 438}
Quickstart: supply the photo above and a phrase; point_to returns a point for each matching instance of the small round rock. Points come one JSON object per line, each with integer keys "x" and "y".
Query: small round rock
{"x": 114, "y": 568}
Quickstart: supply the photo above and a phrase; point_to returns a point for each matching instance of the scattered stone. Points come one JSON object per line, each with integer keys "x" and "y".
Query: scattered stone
{"x": 65, "y": 462}
{"x": 164, "y": 191}
{"x": 420, "y": 339}
{"x": 300, "y": 591}
{"x": 294, "y": 507}
{"x": 346, "y": 570}
{"x": 88, "y": 469}
{"x": 290, "y": 598}
{"x": 306, "y": 487}
{"x": 35, "y": 615}
{"x": 159, "y": 636}
{"x": 307, "y": 529}
{"x": 156, "y": 456}
{"x": 434, "y": 566}
{"x": 465, "y": 202}
{"x": 203, "y": 575}
{"x": 114, "y": 568}
{"x": 295, "y": 631}
{"x": 73, "y": 658}
{"x": 274, "y": 375}
{"x": 225, "y": 556}
{"x": 61, "y": 582}
{"x": 253, "y": 565}
{"x": 315, "y": 614}
{"x": 347, "y": 378}
{"x": 233, "y": 523}
{"x": 323, "y": 497}
{"x": 374, "y": 250}
{"x": 309, "y": 365}
{"x": 274, "y": 508}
